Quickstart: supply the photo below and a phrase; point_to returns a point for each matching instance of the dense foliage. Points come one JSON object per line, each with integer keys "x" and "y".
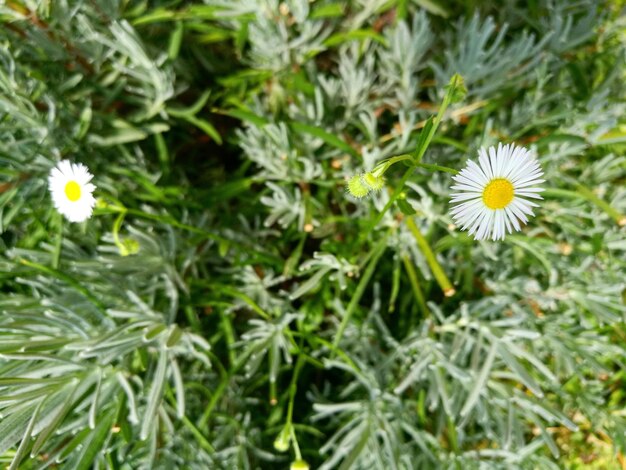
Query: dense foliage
{"x": 229, "y": 305}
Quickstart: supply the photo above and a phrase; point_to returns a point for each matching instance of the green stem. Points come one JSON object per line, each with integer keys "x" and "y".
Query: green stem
{"x": 431, "y": 259}
{"x": 360, "y": 289}
{"x": 395, "y": 284}
{"x": 217, "y": 394}
{"x": 417, "y": 291}
{"x": 423, "y": 143}
{"x": 229, "y": 336}
{"x": 429, "y": 166}
{"x": 204, "y": 443}
{"x": 384, "y": 165}
{"x": 116, "y": 233}
{"x": 394, "y": 196}
{"x": 293, "y": 387}
{"x": 447, "y": 99}
{"x": 468, "y": 271}
{"x": 605, "y": 206}
{"x": 247, "y": 300}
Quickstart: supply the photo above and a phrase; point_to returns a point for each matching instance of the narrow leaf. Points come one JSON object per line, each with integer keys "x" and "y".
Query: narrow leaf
{"x": 481, "y": 381}
{"x": 154, "y": 399}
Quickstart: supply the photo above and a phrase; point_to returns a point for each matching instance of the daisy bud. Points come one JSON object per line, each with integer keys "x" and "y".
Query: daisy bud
{"x": 129, "y": 246}
{"x": 357, "y": 187}
{"x": 375, "y": 183}
{"x": 299, "y": 465}
{"x": 281, "y": 443}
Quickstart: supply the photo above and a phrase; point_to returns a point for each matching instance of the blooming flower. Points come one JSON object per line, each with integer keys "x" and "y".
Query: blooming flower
{"x": 492, "y": 196}
{"x": 71, "y": 190}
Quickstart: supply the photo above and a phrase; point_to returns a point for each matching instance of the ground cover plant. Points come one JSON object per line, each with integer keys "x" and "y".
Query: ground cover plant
{"x": 232, "y": 234}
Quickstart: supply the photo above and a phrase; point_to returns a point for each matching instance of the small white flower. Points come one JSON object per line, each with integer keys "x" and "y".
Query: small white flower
{"x": 71, "y": 190}
{"x": 492, "y": 196}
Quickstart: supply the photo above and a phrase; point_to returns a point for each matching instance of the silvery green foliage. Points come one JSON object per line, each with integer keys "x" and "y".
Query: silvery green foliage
{"x": 285, "y": 208}
{"x": 268, "y": 337}
{"x": 485, "y": 368}
{"x": 78, "y": 361}
{"x": 405, "y": 57}
{"x": 251, "y": 255}
{"x": 322, "y": 265}
{"x": 478, "y": 52}
{"x": 567, "y": 31}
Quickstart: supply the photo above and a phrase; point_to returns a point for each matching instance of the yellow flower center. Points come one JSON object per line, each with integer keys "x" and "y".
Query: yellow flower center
{"x": 498, "y": 193}
{"x": 72, "y": 191}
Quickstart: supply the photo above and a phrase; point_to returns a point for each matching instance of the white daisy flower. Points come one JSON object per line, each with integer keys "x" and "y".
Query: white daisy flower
{"x": 71, "y": 190}
{"x": 491, "y": 196}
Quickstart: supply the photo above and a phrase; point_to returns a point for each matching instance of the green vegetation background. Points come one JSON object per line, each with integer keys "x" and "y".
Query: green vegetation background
{"x": 229, "y": 306}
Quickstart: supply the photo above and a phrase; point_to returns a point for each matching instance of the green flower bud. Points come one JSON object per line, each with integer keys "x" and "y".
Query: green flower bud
{"x": 375, "y": 183}
{"x": 357, "y": 188}
{"x": 101, "y": 203}
{"x": 129, "y": 246}
{"x": 281, "y": 443}
{"x": 299, "y": 465}
{"x": 456, "y": 88}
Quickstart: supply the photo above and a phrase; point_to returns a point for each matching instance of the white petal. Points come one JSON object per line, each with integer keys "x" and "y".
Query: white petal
{"x": 511, "y": 217}
{"x": 483, "y": 159}
{"x": 476, "y": 172}
{"x": 485, "y": 226}
{"x": 465, "y": 196}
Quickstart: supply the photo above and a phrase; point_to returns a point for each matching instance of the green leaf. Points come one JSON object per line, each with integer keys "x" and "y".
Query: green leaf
{"x": 14, "y": 425}
{"x": 54, "y": 420}
{"x": 330, "y": 10}
{"x": 176, "y": 39}
{"x": 356, "y": 35}
{"x": 206, "y": 126}
{"x": 191, "y": 110}
{"x": 405, "y": 207}
{"x": 480, "y": 383}
{"x": 520, "y": 370}
{"x": 245, "y": 115}
{"x": 175, "y": 334}
{"x": 156, "y": 16}
{"x": 433, "y": 7}
{"x": 83, "y": 460}
{"x": 26, "y": 439}
{"x": 155, "y": 396}
{"x": 424, "y": 139}
{"x": 126, "y": 134}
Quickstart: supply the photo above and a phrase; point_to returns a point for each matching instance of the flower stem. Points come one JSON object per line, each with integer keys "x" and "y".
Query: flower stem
{"x": 424, "y": 141}
{"x": 116, "y": 233}
{"x": 428, "y": 166}
{"x": 360, "y": 289}
{"x": 455, "y": 81}
{"x": 394, "y": 196}
{"x": 602, "y": 204}
{"x": 417, "y": 291}
{"x": 431, "y": 259}
{"x": 293, "y": 387}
